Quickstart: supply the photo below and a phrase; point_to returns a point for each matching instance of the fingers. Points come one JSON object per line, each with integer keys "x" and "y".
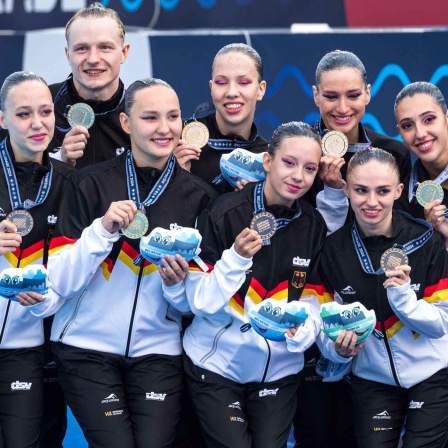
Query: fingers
{"x": 330, "y": 170}
{"x": 10, "y": 240}
{"x": 30, "y": 298}
{"x": 185, "y": 153}
{"x": 173, "y": 270}
{"x": 345, "y": 344}
{"x": 247, "y": 243}
{"x": 399, "y": 276}
{"x": 74, "y": 144}
{"x": 119, "y": 215}
{"x": 240, "y": 184}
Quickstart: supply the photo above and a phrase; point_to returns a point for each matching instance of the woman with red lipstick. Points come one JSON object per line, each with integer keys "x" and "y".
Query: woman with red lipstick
{"x": 422, "y": 120}
{"x": 32, "y": 186}
{"x": 399, "y": 376}
{"x": 236, "y": 86}
{"x": 243, "y": 385}
{"x": 116, "y": 340}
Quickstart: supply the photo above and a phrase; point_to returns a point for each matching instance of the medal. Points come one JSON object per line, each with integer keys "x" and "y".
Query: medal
{"x": 137, "y": 227}
{"x": 265, "y": 224}
{"x": 195, "y": 133}
{"x": 392, "y": 258}
{"x": 334, "y": 142}
{"x": 23, "y": 220}
{"x": 81, "y": 114}
{"x": 428, "y": 191}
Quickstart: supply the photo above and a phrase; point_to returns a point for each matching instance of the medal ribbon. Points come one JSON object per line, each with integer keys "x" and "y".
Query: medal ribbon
{"x": 352, "y": 147}
{"x": 13, "y": 186}
{"x": 259, "y": 207}
{"x": 408, "y": 248}
{"x": 158, "y": 188}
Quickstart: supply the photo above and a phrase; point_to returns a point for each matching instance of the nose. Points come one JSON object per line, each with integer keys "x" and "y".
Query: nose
{"x": 372, "y": 198}
{"x": 93, "y": 56}
{"x": 297, "y": 175}
{"x": 232, "y": 89}
{"x": 343, "y": 106}
{"x": 36, "y": 122}
{"x": 163, "y": 127}
{"x": 420, "y": 131}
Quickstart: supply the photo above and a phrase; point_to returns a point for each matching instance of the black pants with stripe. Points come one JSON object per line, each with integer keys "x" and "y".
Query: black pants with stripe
{"x": 21, "y": 373}
{"x": 234, "y": 415}
{"x": 380, "y": 411}
{"x": 121, "y": 402}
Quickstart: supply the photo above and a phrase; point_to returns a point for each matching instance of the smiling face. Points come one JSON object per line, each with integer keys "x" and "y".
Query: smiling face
{"x": 235, "y": 90}
{"x": 372, "y": 188}
{"x": 28, "y": 116}
{"x": 291, "y": 171}
{"x": 424, "y": 129}
{"x": 95, "y": 51}
{"x": 154, "y": 124}
{"x": 342, "y": 97}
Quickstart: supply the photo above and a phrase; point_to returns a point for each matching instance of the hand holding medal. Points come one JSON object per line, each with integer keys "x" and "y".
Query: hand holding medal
{"x": 195, "y": 135}
{"x": 119, "y": 216}
{"x": 80, "y": 114}
{"x": 10, "y": 239}
{"x": 394, "y": 263}
{"x": 247, "y": 243}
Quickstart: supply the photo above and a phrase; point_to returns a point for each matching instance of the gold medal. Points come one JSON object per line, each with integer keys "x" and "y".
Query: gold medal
{"x": 195, "y": 133}
{"x": 23, "y": 220}
{"x": 265, "y": 224}
{"x": 392, "y": 258}
{"x": 81, "y": 114}
{"x": 137, "y": 227}
{"x": 334, "y": 142}
{"x": 428, "y": 191}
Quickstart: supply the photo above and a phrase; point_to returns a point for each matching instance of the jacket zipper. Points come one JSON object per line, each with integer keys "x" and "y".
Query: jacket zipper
{"x": 73, "y": 317}
{"x": 383, "y": 329}
{"x": 215, "y": 342}
{"x": 267, "y": 362}
{"x": 134, "y": 307}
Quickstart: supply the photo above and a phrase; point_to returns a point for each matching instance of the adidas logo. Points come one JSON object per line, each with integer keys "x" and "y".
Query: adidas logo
{"x": 382, "y": 416}
{"x": 110, "y": 399}
{"x": 348, "y": 290}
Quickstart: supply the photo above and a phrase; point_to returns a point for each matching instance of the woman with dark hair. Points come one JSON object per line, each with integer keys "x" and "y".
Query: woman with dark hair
{"x": 236, "y": 86}
{"x": 397, "y": 266}
{"x": 422, "y": 120}
{"x": 31, "y": 186}
{"x": 262, "y": 246}
{"x": 116, "y": 339}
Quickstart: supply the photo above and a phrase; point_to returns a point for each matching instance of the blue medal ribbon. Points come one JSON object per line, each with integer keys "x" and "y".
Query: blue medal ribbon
{"x": 158, "y": 188}
{"x": 259, "y": 207}
{"x": 408, "y": 248}
{"x": 13, "y": 186}
{"x": 352, "y": 147}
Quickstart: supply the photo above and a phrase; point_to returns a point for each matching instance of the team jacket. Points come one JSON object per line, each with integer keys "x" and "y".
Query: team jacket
{"x": 392, "y": 146}
{"x": 19, "y": 328}
{"x": 207, "y": 167}
{"x": 106, "y": 302}
{"x": 413, "y": 207}
{"x": 222, "y": 298}
{"x": 413, "y": 317}
{"x": 107, "y": 138}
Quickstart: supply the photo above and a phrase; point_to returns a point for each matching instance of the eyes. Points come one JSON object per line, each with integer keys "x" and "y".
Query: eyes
{"x": 171, "y": 117}
{"x": 347, "y": 314}
{"x": 333, "y": 97}
{"x": 275, "y": 311}
{"x": 381, "y": 191}
{"x": 26, "y": 114}
{"x": 224, "y": 81}
{"x": 406, "y": 125}
{"x": 292, "y": 163}
{"x": 166, "y": 240}
{"x": 7, "y": 280}
{"x": 243, "y": 159}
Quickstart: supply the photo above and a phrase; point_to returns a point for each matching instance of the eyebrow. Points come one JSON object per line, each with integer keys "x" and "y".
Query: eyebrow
{"x": 420, "y": 115}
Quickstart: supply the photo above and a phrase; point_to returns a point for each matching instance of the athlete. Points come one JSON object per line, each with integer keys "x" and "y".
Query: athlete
{"x": 236, "y": 86}
{"x": 95, "y": 51}
{"x": 244, "y": 385}
{"x": 422, "y": 120}
{"x": 400, "y": 376}
{"x": 31, "y": 185}
{"x": 116, "y": 339}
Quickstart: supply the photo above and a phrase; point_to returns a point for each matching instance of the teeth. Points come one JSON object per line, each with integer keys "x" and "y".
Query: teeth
{"x": 372, "y": 212}
{"x": 342, "y": 118}
{"x": 233, "y": 106}
{"x": 94, "y": 72}
{"x": 160, "y": 140}
{"x": 425, "y": 145}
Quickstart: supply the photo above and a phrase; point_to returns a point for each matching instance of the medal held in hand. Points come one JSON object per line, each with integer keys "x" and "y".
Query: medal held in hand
{"x": 392, "y": 258}
{"x": 334, "y": 142}
{"x": 81, "y": 114}
{"x": 265, "y": 224}
{"x": 428, "y": 191}
{"x": 195, "y": 133}
{"x": 137, "y": 227}
{"x": 23, "y": 220}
